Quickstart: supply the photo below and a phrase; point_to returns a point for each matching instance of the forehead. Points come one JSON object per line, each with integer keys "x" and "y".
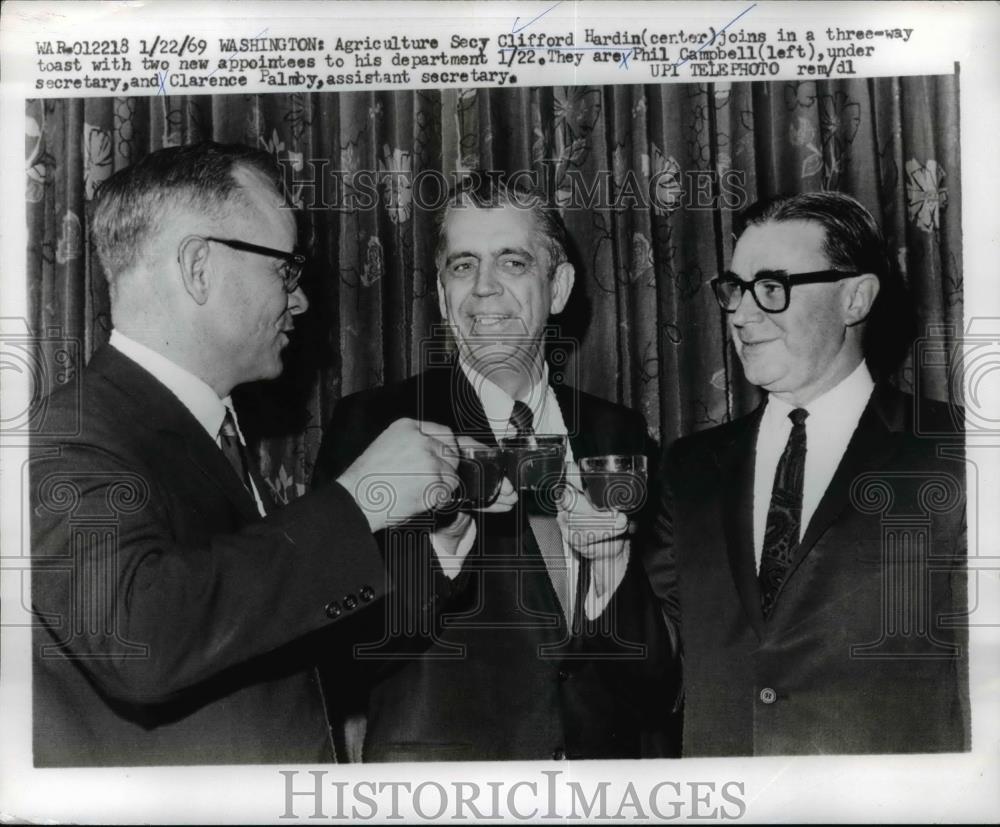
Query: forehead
{"x": 792, "y": 246}
{"x": 489, "y": 230}
{"x": 262, "y": 210}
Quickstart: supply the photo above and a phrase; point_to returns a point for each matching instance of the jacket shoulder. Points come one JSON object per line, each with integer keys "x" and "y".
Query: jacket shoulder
{"x": 604, "y": 407}
{"x": 710, "y": 439}
{"x": 91, "y": 410}
{"x": 393, "y": 396}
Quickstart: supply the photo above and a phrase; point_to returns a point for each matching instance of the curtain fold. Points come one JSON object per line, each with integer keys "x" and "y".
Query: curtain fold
{"x": 649, "y": 179}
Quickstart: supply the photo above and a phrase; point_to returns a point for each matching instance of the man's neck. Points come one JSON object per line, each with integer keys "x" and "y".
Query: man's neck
{"x": 821, "y": 391}
{"x": 802, "y": 397}
{"x": 515, "y": 377}
{"x": 176, "y": 347}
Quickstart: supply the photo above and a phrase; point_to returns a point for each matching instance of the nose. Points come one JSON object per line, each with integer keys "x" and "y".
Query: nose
{"x": 297, "y": 302}
{"x": 486, "y": 283}
{"x": 746, "y": 311}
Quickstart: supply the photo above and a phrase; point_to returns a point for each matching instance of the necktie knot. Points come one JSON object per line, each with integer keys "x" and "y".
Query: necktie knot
{"x": 232, "y": 448}
{"x": 522, "y": 419}
{"x": 798, "y": 416}
{"x": 228, "y": 427}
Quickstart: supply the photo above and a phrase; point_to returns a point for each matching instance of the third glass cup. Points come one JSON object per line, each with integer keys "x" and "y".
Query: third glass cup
{"x": 615, "y": 481}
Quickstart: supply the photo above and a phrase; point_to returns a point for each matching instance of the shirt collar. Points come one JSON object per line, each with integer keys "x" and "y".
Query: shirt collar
{"x": 498, "y": 404}
{"x": 193, "y": 393}
{"x": 842, "y": 403}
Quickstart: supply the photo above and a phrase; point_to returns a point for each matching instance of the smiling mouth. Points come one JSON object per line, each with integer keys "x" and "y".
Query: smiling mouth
{"x": 488, "y": 321}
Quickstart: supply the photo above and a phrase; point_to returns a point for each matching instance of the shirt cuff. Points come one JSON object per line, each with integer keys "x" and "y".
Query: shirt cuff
{"x": 451, "y": 560}
{"x": 606, "y": 576}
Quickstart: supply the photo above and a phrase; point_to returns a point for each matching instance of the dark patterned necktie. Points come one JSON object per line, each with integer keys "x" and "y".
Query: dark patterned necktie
{"x": 229, "y": 441}
{"x": 544, "y": 527}
{"x": 784, "y": 515}
{"x": 522, "y": 419}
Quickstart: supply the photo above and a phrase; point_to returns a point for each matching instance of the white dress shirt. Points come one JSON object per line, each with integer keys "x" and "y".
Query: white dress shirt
{"x": 193, "y": 393}
{"x": 547, "y": 419}
{"x": 833, "y": 418}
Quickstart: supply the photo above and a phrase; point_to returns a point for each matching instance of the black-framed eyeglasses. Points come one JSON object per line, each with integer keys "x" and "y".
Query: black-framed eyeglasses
{"x": 771, "y": 289}
{"x": 292, "y": 263}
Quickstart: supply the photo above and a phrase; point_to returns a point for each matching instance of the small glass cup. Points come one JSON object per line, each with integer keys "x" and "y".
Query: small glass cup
{"x": 536, "y": 462}
{"x": 615, "y": 481}
{"x": 480, "y": 473}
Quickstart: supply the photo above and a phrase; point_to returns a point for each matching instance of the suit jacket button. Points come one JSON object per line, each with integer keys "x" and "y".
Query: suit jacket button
{"x": 563, "y": 676}
{"x": 768, "y": 695}
{"x": 367, "y": 594}
{"x": 559, "y": 754}
{"x": 333, "y": 609}
{"x": 351, "y": 601}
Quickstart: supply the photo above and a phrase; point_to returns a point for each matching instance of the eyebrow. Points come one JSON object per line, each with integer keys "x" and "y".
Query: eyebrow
{"x": 504, "y": 251}
{"x": 517, "y": 251}
{"x": 760, "y": 274}
{"x": 458, "y": 255}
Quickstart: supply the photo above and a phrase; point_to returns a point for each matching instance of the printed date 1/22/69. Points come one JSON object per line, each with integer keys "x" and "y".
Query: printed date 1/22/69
{"x": 189, "y": 45}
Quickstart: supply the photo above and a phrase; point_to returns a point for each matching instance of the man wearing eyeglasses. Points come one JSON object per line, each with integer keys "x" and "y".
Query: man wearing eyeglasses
{"x": 179, "y": 610}
{"x": 812, "y": 552}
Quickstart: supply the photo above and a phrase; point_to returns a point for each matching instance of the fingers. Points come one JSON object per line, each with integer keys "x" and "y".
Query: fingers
{"x": 586, "y": 527}
{"x": 441, "y": 441}
{"x": 464, "y": 441}
{"x": 505, "y": 501}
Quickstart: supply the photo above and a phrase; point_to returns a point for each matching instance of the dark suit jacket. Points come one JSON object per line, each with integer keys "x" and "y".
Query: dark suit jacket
{"x": 175, "y": 624}
{"x": 495, "y": 673}
{"x": 864, "y": 650}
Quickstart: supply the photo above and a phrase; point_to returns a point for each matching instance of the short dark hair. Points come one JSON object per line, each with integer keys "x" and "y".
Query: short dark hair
{"x": 128, "y": 206}
{"x": 853, "y": 241}
{"x": 490, "y": 190}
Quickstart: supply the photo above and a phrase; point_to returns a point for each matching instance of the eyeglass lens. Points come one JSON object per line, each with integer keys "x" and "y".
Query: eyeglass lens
{"x": 770, "y": 294}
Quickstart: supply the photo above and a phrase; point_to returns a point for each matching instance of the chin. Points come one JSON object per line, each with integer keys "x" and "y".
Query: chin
{"x": 766, "y": 381}
{"x": 272, "y": 370}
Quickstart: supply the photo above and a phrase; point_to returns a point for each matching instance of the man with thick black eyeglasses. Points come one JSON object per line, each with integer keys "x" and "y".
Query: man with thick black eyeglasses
{"x": 813, "y": 617}
{"x": 290, "y": 269}
{"x": 180, "y": 611}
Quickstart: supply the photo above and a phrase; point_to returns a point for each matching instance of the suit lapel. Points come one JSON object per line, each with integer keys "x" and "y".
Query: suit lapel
{"x": 872, "y": 446}
{"x": 263, "y": 489}
{"x": 156, "y": 408}
{"x": 581, "y": 439}
{"x": 450, "y": 398}
{"x": 736, "y": 464}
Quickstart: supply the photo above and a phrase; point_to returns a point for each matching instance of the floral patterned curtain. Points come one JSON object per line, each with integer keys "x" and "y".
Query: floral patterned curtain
{"x": 645, "y": 328}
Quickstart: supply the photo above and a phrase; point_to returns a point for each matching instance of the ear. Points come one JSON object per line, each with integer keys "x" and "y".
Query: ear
{"x": 859, "y": 297}
{"x": 192, "y": 256}
{"x": 562, "y": 286}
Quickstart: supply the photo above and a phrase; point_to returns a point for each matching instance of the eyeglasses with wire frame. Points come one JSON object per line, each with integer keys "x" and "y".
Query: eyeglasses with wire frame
{"x": 292, "y": 263}
{"x": 771, "y": 289}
